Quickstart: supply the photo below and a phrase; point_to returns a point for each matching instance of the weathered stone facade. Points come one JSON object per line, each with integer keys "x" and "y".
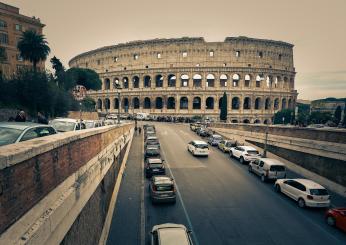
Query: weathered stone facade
{"x": 188, "y": 76}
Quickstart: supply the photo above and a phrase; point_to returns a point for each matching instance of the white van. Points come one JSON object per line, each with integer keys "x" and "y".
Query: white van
{"x": 268, "y": 169}
{"x": 166, "y": 234}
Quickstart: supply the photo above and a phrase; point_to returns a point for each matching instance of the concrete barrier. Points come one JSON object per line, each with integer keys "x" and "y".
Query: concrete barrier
{"x": 51, "y": 186}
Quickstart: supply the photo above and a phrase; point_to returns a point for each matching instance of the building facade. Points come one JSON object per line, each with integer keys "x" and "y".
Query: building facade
{"x": 12, "y": 25}
{"x": 188, "y": 76}
{"x": 327, "y": 106}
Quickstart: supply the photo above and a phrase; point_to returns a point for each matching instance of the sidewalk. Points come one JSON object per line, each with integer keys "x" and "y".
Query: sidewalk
{"x": 126, "y": 222}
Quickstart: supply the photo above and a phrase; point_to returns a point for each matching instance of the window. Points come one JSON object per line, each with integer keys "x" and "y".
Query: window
{"x": 31, "y": 134}
{"x": 3, "y": 24}
{"x": 135, "y": 56}
{"x": 280, "y": 56}
{"x": 211, "y": 53}
{"x": 260, "y": 54}
{"x": 184, "y": 54}
{"x": 3, "y": 38}
{"x": 98, "y": 62}
{"x": 115, "y": 59}
{"x": 237, "y": 53}
{"x": 18, "y": 27}
{"x": 159, "y": 55}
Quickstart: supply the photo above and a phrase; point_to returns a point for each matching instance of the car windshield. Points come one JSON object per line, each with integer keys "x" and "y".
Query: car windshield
{"x": 63, "y": 126}
{"x": 156, "y": 165}
{"x": 252, "y": 152}
{"x": 277, "y": 168}
{"x": 319, "y": 192}
{"x": 89, "y": 124}
{"x": 202, "y": 146}
{"x": 164, "y": 187}
{"x": 9, "y": 135}
{"x": 153, "y": 151}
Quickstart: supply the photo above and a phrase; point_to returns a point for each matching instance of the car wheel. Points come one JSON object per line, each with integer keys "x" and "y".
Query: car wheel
{"x": 250, "y": 169}
{"x": 301, "y": 203}
{"x": 263, "y": 178}
{"x": 331, "y": 220}
{"x": 277, "y": 188}
{"x": 241, "y": 160}
{"x": 193, "y": 153}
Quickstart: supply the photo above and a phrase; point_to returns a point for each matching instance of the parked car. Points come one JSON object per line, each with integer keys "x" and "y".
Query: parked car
{"x": 92, "y": 123}
{"x": 244, "y": 153}
{"x": 214, "y": 140}
{"x": 67, "y": 124}
{"x": 202, "y": 132}
{"x": 161, "y": 189}
{"x": 147, "y": 135}
{"x": 13, "y": 132}
{"x": 152, "y": 141}
{"x": 226, "y": 145}
{"x": 336, "y": 217}
{"x": 304, "y": 191}
{"x": 167, "y": 234}
{"x": 154, "y": 166}
{"x": 268, "y": 169}
{"x": 151, "y": 151}
{"x": 198, "y": 148}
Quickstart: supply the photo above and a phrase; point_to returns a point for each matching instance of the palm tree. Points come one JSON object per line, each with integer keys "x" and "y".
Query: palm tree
{"x": 33, "y": 47}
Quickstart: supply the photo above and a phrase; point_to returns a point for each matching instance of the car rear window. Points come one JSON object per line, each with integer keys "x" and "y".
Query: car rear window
{"x": 9, "y": 135}
{"x": 319, "y": 192}
{"x": 277, "y": 168}
{"x": 164, "y": 187}
{"x": 252, "y": 152}
{"x": 156, "y": 165}
{"x": 202, "y": 146}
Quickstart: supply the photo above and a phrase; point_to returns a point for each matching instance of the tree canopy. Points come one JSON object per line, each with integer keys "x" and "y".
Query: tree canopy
{"x": 284, "y": 116}
{"x": 80, "y": 76}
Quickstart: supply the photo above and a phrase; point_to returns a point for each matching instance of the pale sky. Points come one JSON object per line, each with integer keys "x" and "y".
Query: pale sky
{"x": 317, "y": 28}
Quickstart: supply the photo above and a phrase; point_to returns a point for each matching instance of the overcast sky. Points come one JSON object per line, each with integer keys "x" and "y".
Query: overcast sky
{"x": 317, "y": 28}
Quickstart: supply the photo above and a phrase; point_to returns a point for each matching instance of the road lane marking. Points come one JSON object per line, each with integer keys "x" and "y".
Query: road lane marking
{"x": 182, "y": 203}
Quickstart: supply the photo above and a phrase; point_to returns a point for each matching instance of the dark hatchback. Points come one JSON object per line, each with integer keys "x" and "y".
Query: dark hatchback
{"x": 154, "y": 166}
{"x": 151, "y": 152}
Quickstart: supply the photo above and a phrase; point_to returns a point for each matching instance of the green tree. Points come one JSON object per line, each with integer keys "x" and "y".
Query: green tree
{"x": 57, "y": 66}
{"x": 33, "y": 47}
{"x": 337, "y": 115}
{"x": 223, "y": 111}
{"x": 319, "y": 117}
{"x": 80, "y": 76}
{"x": 284, "y": 116}
{"x": 3, "y": 56}
{"x": 88, "y": 104}
{"x": 344, "y": 120}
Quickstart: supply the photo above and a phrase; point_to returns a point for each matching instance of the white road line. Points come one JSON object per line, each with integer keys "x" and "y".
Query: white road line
{"x": 182, "y": 202}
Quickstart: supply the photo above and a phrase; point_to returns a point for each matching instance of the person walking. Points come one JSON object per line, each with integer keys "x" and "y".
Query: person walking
{"x": 21, "y": 117}
{"x": 139, "y": 130}
{"x": 41, "y": 118}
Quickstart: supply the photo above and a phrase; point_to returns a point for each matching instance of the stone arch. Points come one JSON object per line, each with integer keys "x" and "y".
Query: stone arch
{"x": 220, "y": 102}
{"x": 158, "y": 103}
{"x": 259, "y": 79}
{"x": 184, "y": 103}
{"x": 267, "y": 104}
{"x": 107, "y": 84}
{"x": 246, "y": 121}
{"x": 247, "y": 103}
{"x": 209, "y": 103}
{"x": 116, "y": 103}
{"x": 159, "y": 81}
{"x": 234, "y": 121}
{"x": 210, "y": 80}
{"x": 266, "y": 121}
{"x": 258, "y": 103}
{"x": 196, "y": 104}
{"x": 99, "y": 104}
{"x": 125, "y": 82}
{"x": 283, "y": 103}
{"x": 147, "y": 103}
{"x": 135, "y": 103}
{"x": 126, "y": 104}
{"x": 235, "y": 103}
{"x": 135, "y": 82}
{"x": 285, "y": 84}
{"x": 269, "y": 81}
{"x": 107, "y": 103}
{"x": 172, "y": 80}
{"x": 197, "y": 80}
{"x": 116, "y": 82}
{"x": 257, "y": 121}
{"x": 247, "y": 79}
{"x": 276, "y": 104}
{"x": 171, "y": 103}
{"x": 147, "y": 81}
{"x": 289, "y": 105}
{"x": 277, "y": 81}
{"x": 235, "y": 80}
{"x": 223, "y": 80}
{"x": 184, "y": 80}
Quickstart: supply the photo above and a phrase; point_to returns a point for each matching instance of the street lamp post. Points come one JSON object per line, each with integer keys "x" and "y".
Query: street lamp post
{"x": 267, "y": 125}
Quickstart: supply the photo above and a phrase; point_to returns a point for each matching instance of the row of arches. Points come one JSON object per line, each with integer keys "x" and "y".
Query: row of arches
{"x": 158, "y": 103}
{"x": 196, "y": 81}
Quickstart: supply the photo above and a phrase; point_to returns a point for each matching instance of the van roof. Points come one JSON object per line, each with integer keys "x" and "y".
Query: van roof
{"x": 172, "y": 234}
{"x": 272, "y": 161}
{"x": 200, "y": 142}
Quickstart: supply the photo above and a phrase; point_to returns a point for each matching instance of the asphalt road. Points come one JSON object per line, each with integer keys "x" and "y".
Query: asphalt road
{"x": 219, "y": 201}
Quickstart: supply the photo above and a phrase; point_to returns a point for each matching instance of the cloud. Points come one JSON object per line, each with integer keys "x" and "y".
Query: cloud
{"x": 321, "y": 85}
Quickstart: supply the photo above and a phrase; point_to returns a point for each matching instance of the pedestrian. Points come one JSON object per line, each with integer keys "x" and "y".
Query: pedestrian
{"x": 41, "y": 118}
{"x": 139, "y": 130}
{"x": 11, "y": 119}
{"x": 21, "y": 117}
{"x": 136, "y": 129}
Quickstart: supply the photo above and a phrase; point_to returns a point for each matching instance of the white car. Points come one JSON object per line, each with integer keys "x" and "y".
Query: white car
{"x": 268, "y": 169}
{"x": 304, "y": 191}
{"x": 167, "y": 234}
{"x": 198, "y": 148}
{"x": 244, "y": 153}
{"x": 67, "y": 124}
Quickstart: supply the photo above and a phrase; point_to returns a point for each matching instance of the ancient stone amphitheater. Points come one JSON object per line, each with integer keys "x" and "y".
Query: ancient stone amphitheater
{"x": 188, "y": 76}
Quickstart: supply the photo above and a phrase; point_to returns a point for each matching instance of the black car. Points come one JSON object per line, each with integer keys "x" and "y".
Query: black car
{"x": 151, "y": 151}
{"x": 154, "y": 166}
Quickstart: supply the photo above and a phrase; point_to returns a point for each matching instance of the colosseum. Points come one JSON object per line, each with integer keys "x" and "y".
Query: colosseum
{"x": 188, "y": 76}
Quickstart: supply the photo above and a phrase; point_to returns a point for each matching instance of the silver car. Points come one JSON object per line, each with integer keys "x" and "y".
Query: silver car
{"x": 167, "y": 234}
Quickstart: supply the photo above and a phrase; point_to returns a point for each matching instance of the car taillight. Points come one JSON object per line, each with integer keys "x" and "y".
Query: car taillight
{"x": 310, "y": 197}
{"x": 154, "y": 188}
